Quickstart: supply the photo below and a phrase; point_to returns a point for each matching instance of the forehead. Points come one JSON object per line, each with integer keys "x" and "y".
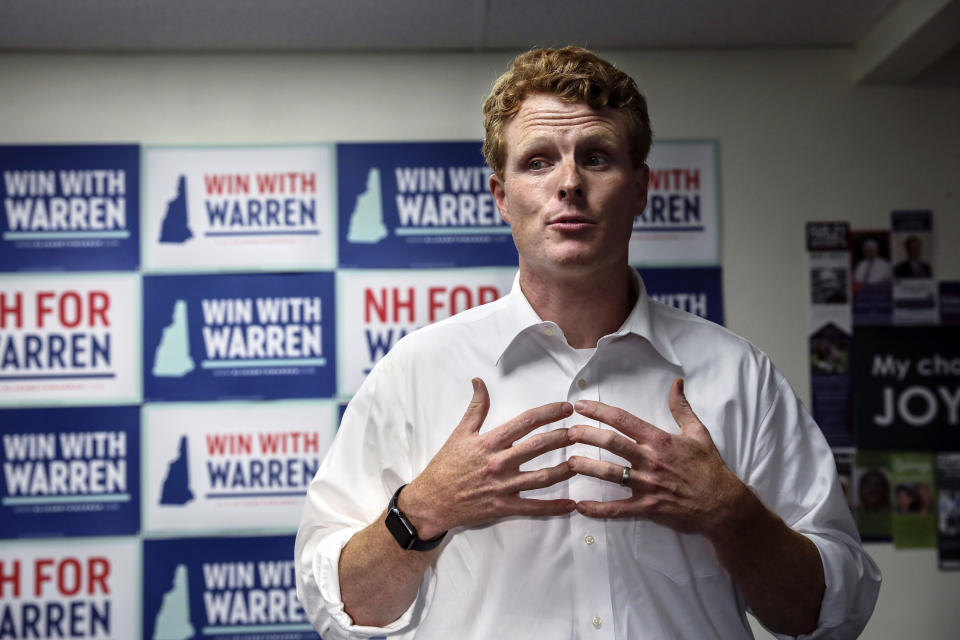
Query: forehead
{"x": 544, "y": 116}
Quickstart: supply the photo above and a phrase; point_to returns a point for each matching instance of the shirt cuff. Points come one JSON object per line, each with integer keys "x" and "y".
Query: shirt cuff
{"x": 326, "y": 570}
{"x": 852, "y": 582}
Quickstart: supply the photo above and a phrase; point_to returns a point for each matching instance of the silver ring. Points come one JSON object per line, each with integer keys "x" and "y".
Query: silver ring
{"x": 625, "y": 476}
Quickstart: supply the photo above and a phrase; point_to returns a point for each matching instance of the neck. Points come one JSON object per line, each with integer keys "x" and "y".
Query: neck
{"x": 586, "y": 307}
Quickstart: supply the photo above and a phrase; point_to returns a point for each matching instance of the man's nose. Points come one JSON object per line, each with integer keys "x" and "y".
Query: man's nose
{"x": 571, "y": 186}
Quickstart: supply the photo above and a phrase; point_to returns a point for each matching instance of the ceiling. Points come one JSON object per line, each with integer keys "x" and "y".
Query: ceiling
{"x": 894, "y": 40}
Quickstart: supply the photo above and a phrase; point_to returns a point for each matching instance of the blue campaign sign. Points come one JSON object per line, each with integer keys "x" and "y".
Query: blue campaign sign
{"x": 70, "y": 207}
{"x": 698, "y": 290}
{"x": 218, "y": 337}
{"x": 418, "y": 204}
{"x": 70, "y": 472}
{"x": 222, "y": 587}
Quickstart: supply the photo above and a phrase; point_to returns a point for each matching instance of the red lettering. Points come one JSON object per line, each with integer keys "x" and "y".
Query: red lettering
{"x": 99, "y": 304}
{"x": 434, "y": 303}
{"x": 62, "y": 577}
{"x": 487, "y": 294}
{"x": 42, "y": 308}
{"x": 308, "y": 183}
{"x": 13, "y": 578}
{"x": 39, "y": 577}
{"x": 68, "y": 320}
{"x": 227, "y": 183}
{"x": 407, "y": 304}
{"x": 98, "y": 570}
{"x": 463, "y": 292}
{"x": 311, "y": 442}
{"x": 380, "y": 307}
{"x": 691, "y": 180}
{"x": 16, "y": 309}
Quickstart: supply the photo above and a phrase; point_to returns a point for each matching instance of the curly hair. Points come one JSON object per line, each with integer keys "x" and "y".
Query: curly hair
{"x": 573, "y": 74}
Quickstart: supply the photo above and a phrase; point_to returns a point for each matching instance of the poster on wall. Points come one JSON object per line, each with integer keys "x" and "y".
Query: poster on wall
{"x": 914, "y": 524}
{"x": 70, "y": 207}
{"x": 232, "y": 466}
{"x": 419, "y": 205}
{"x": 697, "y": 290}
{"x": 831, "y": 327}
{"x": 86, "y": 590}
{"x": 872, "y": 490}
{"x": 906, "y": 393}
{"x": 266, "y": 208}
{"x": 69, "y": 340}
{"x": 214, "y": 588}
{"x": 681, "y": 223}
{"x": 239, "y": 336}
{"x": 70, "y": 472}
{"x": 948, "y": 510}
{"x": 378, "y": 307}
{"x": 914, "y": 284}
{"x": 872, "y": 277}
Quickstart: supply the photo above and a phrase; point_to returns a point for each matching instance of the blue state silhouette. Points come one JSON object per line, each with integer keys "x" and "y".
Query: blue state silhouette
{"x": 172, "y": 357}
{"x": 176, "y": 486}
{"x": 366, "y": 220}
{"x": 173, "y": 620}
{"x": 176, "y": 221}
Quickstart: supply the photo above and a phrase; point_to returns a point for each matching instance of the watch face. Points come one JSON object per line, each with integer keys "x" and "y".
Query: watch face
{"x": 399, "y": 529}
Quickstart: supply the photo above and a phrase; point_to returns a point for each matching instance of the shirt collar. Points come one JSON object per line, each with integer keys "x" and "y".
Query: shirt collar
{"x": 519, "y": 318}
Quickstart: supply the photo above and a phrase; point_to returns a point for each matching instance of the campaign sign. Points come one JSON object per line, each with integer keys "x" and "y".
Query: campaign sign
{"x": 418, "y": 204}
{"x": 215, "y": 588}
{"x": 219, "y": 466}
{"x": 698, "y": 290}
{"x": 82, "y": 590}
{"x": 68, "y": 340}
{"x": 214, "y": 337}
{"x": 681, "y": 223}
{"x": 70, "y": 207}
{"x": 238, "y": 208}
{"x": 377, "y": 308}
{"x": 70, "y": 472}
{"x": 906, "y": 388}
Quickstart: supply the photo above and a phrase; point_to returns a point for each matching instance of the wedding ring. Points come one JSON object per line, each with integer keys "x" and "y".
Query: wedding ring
{"x": 625, "y": 476}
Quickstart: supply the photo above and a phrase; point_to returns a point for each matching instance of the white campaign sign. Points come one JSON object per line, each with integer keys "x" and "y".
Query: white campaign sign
{"x": 681, "y": 224}
{"x": 377, "y": 308}
{"x": 232, "y": 466}
{"x": 238, "y": 208}
{"x": 83, "y": 590}
{"x": 69, "y": 339}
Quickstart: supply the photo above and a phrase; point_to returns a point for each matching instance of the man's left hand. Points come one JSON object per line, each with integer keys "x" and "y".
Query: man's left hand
{"x": 678, "y": 480}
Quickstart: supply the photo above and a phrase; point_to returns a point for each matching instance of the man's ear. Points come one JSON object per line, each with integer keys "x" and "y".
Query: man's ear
{"x": 642, "y": 176}
{"x": 499, "y": 196}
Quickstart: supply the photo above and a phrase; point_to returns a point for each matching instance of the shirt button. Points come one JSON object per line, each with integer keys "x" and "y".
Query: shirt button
{"x": 582, "y": 383}
{"x": 589, "y": 539}
{"x": 548, "y": 331}
{"x": 596, "y": 622}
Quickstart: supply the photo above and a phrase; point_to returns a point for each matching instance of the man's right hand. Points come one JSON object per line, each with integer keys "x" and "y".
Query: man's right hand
{"x": 475, "y": 478}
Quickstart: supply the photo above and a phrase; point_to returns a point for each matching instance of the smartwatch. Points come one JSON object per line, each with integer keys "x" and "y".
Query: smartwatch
{"x": 403, "y": 530}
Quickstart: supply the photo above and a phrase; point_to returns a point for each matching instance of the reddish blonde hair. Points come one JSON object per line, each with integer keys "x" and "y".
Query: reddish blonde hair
{"x": 573, "y": 74}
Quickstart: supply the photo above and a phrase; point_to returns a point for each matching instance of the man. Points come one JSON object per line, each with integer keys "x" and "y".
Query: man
{"x": 872, "y": 267}
{"x": 913, "y": 266}
{"x": 622, "y": 469}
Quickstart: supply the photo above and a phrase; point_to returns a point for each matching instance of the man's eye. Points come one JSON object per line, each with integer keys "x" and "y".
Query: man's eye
{"x": 596, "y": 160}
{"x": 536, "y": 163}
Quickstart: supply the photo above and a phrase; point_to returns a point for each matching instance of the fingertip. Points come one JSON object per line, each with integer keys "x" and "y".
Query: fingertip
{"x": 581, "y": 406}
{"x": 566, "y": 409}
{"x": 476, "y": 384}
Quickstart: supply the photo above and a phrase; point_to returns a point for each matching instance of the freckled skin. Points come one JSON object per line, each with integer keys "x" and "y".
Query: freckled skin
{"x": 569, "y": 189}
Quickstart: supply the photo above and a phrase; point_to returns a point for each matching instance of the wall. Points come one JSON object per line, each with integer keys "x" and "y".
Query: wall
{"x": 798, "y": 142}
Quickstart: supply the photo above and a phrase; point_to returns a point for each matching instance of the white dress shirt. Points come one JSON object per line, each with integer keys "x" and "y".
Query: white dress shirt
{"x": 573, "y": 576}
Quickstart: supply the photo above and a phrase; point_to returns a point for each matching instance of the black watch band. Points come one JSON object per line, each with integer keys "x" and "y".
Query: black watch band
{"x": 403, "y": 530}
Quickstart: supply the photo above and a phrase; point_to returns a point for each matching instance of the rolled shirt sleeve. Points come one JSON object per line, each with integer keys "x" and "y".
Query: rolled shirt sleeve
{"x": 795, "y": 475}
{"x": 366, "y": 463}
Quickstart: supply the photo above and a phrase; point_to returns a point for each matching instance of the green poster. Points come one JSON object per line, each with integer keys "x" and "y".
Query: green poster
{"x": 871, "y": 495}
{"x": 914, "y": 522}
